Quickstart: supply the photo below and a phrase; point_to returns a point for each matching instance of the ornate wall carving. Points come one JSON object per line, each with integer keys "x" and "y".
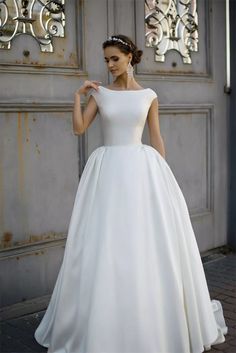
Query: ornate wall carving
{"x": 171, "y": 24}
{"x": 42, "y": 19}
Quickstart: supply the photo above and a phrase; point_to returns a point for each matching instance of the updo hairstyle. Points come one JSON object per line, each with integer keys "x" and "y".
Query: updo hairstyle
{"x": 126, "y": 46}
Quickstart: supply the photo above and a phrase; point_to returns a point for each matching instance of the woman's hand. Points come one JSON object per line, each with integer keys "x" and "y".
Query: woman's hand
{"x": 87, "y": 86}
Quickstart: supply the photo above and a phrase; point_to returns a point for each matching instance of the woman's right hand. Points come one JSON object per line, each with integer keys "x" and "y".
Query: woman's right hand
{"x": 87, "y": 86}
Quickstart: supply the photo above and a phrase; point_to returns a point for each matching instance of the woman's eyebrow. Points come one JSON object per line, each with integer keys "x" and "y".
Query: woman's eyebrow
{"x": 113, "y": 56}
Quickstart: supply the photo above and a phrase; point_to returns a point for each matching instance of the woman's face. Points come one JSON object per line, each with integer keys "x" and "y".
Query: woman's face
{"x": 116, "y": 60}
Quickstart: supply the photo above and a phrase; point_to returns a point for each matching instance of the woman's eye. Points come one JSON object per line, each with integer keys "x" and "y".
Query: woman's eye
{"x": 115, "y": 59}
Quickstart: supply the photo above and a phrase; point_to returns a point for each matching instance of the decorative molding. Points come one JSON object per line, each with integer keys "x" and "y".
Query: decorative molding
{"x": 36, "y": 107}
{"x": 41, "y": 19}
{"x": 32, "y": 106}
{"x": 172, "y": 24}
{"x": 173, "y": 77}
{"x": 50, "y": 107}
{"x": 206, "y": 109}
{"x": 29, "y": 106}
{"x": 32, "y": 248}
{"x": 37, "y": 70}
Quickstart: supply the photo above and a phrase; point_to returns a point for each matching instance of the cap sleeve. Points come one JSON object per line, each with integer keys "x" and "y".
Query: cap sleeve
{"x": 96, "y": 96}
{"x": 153, "y": 95}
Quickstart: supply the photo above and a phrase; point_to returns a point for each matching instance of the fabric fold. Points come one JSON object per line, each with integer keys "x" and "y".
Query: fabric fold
{"x": 131, "y": 280}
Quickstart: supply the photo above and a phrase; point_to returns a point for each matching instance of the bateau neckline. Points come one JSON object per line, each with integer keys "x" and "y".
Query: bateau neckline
{"x": 124, "y": 90}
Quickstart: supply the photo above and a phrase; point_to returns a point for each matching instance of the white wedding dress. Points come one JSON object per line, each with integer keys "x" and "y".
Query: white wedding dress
{"x": 131, "y": 280}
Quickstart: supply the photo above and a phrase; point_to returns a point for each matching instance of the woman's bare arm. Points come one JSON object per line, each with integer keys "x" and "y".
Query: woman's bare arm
{"x": 82, "y": 120}
{"x": 156, "y": 139}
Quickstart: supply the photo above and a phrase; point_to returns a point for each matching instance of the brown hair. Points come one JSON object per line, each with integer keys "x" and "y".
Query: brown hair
{"x": 127, "y": 47}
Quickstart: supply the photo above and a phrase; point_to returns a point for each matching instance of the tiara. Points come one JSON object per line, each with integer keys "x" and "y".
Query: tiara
{"x": 119, "y": 40}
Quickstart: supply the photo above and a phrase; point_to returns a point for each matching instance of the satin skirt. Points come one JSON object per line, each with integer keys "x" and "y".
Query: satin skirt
{"x": 131, "y": 279}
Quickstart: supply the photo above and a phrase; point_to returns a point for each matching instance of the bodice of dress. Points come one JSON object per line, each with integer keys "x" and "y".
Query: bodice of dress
{"x": 123, "y": 114}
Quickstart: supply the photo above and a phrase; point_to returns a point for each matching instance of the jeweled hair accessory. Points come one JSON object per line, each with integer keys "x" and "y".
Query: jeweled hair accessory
{"x": 119, "y": 40}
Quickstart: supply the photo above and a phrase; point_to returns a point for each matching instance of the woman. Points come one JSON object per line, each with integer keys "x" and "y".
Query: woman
{"x": 132, "y": 279}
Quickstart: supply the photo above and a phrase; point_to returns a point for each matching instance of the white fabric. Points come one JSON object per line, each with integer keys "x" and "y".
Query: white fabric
{"x": 131, "y": 280}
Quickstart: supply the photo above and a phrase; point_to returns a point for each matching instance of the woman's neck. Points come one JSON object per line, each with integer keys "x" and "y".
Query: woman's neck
{"x": 124, "y": 82}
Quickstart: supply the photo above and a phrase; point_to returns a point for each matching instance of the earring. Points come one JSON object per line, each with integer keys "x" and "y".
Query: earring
{"x": 130, "y": 70}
